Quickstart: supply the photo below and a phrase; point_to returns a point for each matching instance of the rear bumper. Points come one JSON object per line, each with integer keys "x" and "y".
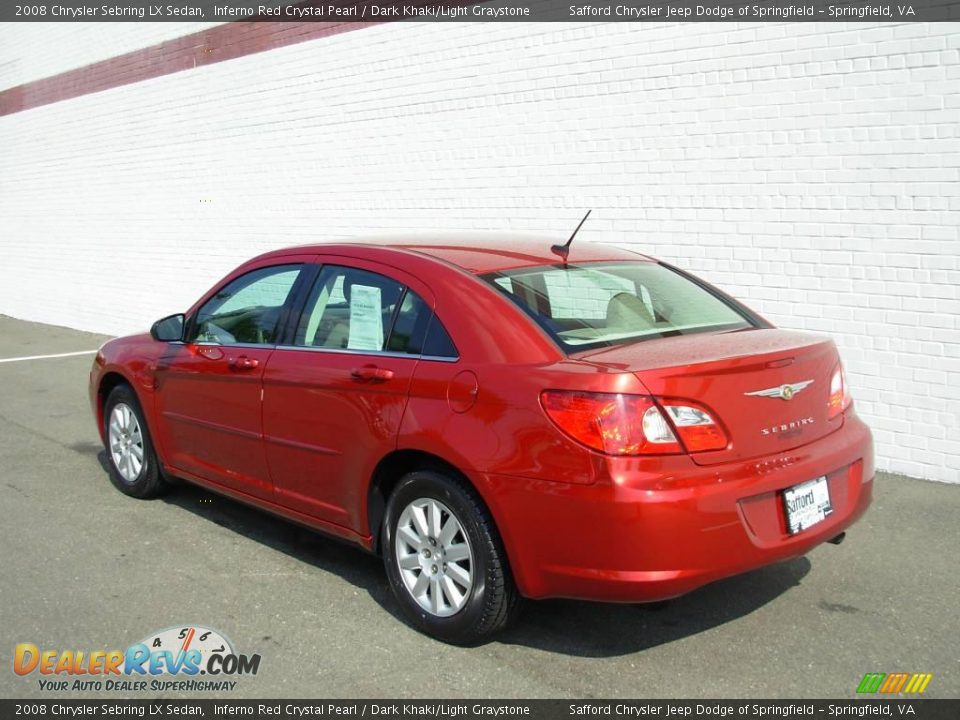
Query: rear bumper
{"x": 646, "y": 535}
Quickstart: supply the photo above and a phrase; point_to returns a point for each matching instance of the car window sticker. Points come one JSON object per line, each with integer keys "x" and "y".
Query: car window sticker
{"x": 366, "y": 319}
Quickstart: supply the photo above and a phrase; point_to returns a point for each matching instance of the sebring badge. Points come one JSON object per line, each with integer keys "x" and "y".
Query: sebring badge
{"x": 789, "y": 427}
{"x": 784, "y": 392}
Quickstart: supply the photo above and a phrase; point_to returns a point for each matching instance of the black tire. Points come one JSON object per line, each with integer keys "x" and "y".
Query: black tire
{"x": 147, "y": 482}
{"x": 492, "y": 600}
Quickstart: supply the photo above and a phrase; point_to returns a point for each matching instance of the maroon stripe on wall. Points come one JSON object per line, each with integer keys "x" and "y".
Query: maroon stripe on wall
{"x": 224, "y": 42}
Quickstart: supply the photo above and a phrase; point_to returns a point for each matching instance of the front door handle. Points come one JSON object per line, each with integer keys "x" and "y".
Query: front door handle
{"x": 244, "y": 363}
{"x": 371, "y": 373}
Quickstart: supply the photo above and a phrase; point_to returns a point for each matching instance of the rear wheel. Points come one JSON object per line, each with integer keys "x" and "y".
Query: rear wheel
{"x": 134, "y": 469}
{"x": 445, "y": 561}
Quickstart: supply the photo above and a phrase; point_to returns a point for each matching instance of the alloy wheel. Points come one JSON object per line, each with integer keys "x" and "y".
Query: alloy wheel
{"x": 434, "y": 556}
{"x": 126, "y": 442}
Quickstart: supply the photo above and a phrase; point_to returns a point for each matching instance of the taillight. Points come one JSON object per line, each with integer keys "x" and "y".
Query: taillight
{"x": 618, "y": 424}
{"x": 839, "y": 393}
{"x": 697, "y": 429}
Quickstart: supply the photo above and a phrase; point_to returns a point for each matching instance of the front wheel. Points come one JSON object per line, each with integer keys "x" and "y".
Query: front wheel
{"x": 134, "y": 469}
{"x": 445, "y": 561}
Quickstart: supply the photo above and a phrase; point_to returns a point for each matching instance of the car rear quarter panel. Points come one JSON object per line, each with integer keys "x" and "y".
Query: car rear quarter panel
{"x": 499, "y": 426}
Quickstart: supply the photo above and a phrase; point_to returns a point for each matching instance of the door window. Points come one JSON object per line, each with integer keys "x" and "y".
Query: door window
{"x": 246, "y": 310}
{"x": 348, "y": 309}
{"x": 353, "y": 309}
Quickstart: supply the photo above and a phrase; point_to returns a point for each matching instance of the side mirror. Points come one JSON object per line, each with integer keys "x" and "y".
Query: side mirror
{"x": 168, "y": 329}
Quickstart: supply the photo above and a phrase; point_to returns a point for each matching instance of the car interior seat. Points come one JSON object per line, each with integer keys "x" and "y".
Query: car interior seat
{"x": 626, "y": 311}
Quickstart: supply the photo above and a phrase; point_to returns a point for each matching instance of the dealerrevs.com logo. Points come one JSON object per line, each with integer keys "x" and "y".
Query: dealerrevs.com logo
{"x": 168, "y": 660}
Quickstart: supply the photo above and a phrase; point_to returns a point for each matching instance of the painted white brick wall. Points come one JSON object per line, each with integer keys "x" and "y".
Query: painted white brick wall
{"x": 811, "y": 170}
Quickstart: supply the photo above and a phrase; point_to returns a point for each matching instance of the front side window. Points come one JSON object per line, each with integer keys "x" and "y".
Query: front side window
{"x": 353, "y": 309}
{"x": 594, "y": 305}
{"x": 246, "y": 310}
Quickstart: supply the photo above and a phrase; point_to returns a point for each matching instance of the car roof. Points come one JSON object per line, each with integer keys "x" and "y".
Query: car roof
{"x": 475, "y": 252}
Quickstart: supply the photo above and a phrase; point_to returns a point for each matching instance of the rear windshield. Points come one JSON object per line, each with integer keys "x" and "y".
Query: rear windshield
{"x": 594, "y": 305}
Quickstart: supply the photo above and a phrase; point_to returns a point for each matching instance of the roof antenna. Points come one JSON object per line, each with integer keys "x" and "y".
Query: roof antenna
{"x": 564, "y": 250}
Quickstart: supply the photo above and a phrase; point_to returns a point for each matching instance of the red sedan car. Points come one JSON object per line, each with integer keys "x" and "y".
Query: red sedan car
{"x": 496, "y": 421}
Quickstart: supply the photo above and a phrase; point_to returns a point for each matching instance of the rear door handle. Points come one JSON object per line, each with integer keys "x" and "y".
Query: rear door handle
{"x": 243, "y": 363}
{"x": 371, "y": 373}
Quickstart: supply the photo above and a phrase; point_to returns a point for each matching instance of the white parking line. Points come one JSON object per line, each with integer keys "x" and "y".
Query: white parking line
{"x": 45, "y": 357}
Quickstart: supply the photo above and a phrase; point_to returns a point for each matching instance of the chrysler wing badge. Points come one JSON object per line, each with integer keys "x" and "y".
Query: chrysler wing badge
{"x": 784, "y": 392}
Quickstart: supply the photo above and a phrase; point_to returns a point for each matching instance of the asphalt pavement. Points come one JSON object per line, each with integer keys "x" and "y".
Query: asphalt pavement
{"x": 84, "y": 567}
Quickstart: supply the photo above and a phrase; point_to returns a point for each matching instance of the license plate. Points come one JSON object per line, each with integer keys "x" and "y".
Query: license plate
{"x": 807, "y": 504}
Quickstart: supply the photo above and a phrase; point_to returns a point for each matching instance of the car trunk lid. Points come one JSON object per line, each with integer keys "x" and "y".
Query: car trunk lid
{"x": 768, "y": 387}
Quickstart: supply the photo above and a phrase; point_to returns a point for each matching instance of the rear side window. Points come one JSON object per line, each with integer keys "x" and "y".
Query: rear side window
{"x": 601, "y": 304}
{"x": 353, "y": 309}
{"x": 348, "y": 309}
{"x": 438, "y": 344}
{"x": 419, "y": 332}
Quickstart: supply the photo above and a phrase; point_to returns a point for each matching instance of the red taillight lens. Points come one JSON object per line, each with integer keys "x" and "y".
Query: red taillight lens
{"x": 839, "y": 394}
{"x": 618, "y": 424}
{"x": 612, "y": 423}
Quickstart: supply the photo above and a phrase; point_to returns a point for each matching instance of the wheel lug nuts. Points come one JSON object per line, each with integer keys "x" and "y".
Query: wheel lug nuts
{"x": 434, "y": 569}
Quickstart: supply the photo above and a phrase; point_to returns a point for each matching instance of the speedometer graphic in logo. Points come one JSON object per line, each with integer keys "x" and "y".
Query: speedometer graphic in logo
{"x": 182, "y": 640}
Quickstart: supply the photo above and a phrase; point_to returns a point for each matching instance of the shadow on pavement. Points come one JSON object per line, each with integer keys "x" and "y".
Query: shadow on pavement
{"x": 587, "y": 629}
{"x": 567, "y": 627}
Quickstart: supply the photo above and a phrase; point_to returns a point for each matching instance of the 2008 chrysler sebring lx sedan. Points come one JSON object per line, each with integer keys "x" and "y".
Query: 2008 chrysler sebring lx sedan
{"x": 496, "y": 421}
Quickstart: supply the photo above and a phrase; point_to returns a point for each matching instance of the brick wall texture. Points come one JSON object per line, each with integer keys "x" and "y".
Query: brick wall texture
{"x": 811, "y": 170}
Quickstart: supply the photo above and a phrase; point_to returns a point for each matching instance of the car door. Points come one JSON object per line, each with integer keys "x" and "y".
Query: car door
{"x": 209, "y": 386}
{"x": 335, "y": 393}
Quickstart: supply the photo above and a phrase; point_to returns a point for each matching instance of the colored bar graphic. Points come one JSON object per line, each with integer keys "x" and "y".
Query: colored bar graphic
{"x": 894, "y": 683}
